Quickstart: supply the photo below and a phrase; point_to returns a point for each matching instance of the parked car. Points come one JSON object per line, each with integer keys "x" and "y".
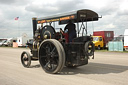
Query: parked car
{"x": 9, "y": 42}
{"x": 2, "y": 42}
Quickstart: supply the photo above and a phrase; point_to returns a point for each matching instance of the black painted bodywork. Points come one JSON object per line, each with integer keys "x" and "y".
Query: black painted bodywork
{"x": 75, "y": 51}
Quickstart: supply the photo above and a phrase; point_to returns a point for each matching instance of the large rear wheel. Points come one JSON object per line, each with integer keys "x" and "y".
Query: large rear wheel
{"x": 51, "y": 56}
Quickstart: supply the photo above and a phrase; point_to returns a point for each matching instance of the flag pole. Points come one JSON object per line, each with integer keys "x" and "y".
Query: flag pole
{"x": 18, "y": 31}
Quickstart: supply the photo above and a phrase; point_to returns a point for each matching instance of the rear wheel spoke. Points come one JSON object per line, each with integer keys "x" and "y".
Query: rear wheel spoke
{"x": 46, "y": 66}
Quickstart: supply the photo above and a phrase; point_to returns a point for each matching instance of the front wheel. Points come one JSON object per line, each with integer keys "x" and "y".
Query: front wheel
{"x": 26, "y": 59}
{"x": 99, "y": 48}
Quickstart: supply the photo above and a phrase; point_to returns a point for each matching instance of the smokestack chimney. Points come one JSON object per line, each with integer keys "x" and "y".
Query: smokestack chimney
{"x": 34, "y": 25}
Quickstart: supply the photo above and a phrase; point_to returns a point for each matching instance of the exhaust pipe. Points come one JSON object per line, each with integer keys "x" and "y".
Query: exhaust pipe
{"x": 34, "y": 25}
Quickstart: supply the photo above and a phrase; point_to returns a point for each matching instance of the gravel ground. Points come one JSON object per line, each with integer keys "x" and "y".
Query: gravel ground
{"x": 108, "y": 68}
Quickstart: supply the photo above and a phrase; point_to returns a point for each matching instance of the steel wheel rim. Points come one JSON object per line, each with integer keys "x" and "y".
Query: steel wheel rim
{"x": 49, "y": 57}
{"x": 25, "y": 59}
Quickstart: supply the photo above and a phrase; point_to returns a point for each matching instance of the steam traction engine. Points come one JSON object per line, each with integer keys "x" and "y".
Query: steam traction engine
{"x": 52, "y": 50}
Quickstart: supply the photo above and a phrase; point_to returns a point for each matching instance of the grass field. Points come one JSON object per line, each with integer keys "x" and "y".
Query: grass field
{"x": 105, "y": 50}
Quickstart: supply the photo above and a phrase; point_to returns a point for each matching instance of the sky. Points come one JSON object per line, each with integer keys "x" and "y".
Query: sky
{"x": 114, "y": 14}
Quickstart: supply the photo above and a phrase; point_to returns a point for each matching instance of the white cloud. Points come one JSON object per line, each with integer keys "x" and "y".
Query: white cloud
{"x": 114, "y": 12}
{"x": 124, "y": 5}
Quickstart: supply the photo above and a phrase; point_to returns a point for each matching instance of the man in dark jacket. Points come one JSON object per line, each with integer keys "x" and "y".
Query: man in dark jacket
{"x": 71, "y": 30}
